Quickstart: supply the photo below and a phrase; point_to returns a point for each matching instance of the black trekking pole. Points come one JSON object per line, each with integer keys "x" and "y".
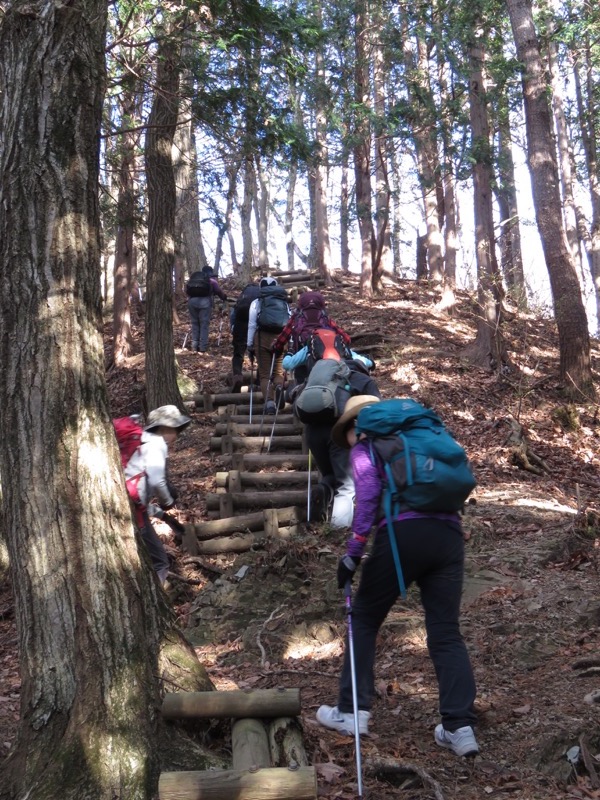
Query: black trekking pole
{"x": 348, "y": 595}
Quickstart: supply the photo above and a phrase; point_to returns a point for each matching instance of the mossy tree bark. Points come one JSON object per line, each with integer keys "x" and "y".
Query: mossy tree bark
{"x": 94, "y": 635}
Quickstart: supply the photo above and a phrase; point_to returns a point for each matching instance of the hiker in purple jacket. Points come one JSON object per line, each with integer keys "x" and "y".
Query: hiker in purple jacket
{"x": 431, "y": 548}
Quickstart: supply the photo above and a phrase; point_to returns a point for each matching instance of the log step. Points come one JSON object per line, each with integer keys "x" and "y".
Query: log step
{"x": 264, "y": 480}
{"x": 241, "y": 542}
{"x": 282, "y": 418}
{"x": 255, "y": 461}
{"x": 296, "y": 497}
{"x": 235, "y": 703}
{"x": 245, "y": 429}
{"x": 209, "y": 401}
{"x": 274, "y": 783}
{"x": 230, "y": 444}
{"x": 257, "y": 521}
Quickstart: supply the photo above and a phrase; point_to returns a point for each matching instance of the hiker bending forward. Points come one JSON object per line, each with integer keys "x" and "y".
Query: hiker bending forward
{"x": 431, "y": 550}
{"x": 149, "y": 464}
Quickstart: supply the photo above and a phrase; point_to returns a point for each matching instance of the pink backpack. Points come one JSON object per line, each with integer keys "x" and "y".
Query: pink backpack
{"x": 129, "y": 438}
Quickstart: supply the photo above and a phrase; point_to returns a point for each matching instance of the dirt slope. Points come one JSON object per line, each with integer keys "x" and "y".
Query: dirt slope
{"x": 531, "y": 612}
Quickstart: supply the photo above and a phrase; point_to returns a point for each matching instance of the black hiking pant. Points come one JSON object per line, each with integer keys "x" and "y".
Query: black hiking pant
{"x": 239, "y": 336}
{"x": 333, "y": 463}
{"x": 432, "y": 556}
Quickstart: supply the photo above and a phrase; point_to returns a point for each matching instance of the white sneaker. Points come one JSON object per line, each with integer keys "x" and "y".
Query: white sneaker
{"x": 462, "y": 742}
{"x": 332, "y": 717}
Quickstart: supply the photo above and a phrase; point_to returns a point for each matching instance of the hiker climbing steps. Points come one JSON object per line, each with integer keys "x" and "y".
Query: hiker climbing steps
{"x": 268, "y": 754}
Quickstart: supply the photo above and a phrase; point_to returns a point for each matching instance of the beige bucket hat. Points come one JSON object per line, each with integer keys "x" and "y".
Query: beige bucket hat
{"x": 353, "y": 407}
{"x": 169, "y": 416}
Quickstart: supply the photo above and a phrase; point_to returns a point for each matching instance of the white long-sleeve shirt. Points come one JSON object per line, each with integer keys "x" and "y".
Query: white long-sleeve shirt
{"x": 150, "y": 459}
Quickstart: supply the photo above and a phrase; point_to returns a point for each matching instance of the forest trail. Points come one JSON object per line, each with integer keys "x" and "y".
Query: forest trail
{"x": 272, "y": 615}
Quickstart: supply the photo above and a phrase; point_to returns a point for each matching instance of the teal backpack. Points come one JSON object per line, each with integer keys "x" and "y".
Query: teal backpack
{"x": 425, "y": 468}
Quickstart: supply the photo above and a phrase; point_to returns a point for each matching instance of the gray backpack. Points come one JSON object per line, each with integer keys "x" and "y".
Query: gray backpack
{"x": 324, "y": 397}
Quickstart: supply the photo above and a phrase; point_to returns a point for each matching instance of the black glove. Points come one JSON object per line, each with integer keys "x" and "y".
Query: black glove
{"x": 251, "y": 355}
{"x": 173, "y": 492}
{"x": 167, "y": 506}
{"x": 346, "y": 568}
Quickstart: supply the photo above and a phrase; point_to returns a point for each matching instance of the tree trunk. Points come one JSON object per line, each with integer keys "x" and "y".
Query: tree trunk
{"x": 383, "y": 255}
{"x": 288, "y": 226}
{"x": 344, "y": 211}
{"x": 246, "y": 215}
{"x": 262, "y": 222}
{"x": 510, "y": 232}
{"x": 488, "y": 349}
{"x": 185, "y": 159}
{"x": 319, "y": 165}
{"x": 122, "y": 336}
{"x": 590, "y": 135}
{"x": 362, "y": 149}
{"x": 424, "y": 137}
{"x": 571, "y": 321}
{"x": 232, "y": 173}
{"x": 89, "y": 616}
{"x": 161, "y": 372}
{"x": 450, "y": 228}
{"x": 564, "y": 156}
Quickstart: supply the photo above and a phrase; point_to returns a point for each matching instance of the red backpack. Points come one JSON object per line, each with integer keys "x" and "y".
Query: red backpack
{"x": 325, "y": 343}
{"x": 129, "y": 438}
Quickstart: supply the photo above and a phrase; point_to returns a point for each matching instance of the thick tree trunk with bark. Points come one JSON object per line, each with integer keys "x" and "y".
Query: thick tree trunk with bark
{"x": 90, "y": 621}
{"x": 571, "y": 321}
{"x": 161, "y": 371}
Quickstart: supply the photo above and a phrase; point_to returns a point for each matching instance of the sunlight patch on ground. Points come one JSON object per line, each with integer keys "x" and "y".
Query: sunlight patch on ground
{"x": 310, "y": 649}
{"x": 463, "y": 415}
{"x": 545, "y": 505}
{"x": 407, "y": 374}
{"x": 513, "y": 496}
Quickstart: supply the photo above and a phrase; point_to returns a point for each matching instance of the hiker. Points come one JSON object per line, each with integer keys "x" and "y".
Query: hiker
{"x": 329, "y": 361}
{"x": 310, "y": 313}
{"x": 267, "y": 317}
{"x": 146, "y": 476}
{"x": 239, "y": 331}
{"x": 430, "y": 547}
{"x": 201, "y": 289}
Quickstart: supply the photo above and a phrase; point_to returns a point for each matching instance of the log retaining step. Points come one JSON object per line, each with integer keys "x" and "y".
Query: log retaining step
{"x": 236, "y": 704}
{"x": 288, "y": 497}
{"x": 265, "y": 480}
{"x": 254, "y": 429}
{"x": 256, "y": 461}
{"x": 232, "y": 444}
{"x": 257, "y": 521}
{"x": 274, "y": 783}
